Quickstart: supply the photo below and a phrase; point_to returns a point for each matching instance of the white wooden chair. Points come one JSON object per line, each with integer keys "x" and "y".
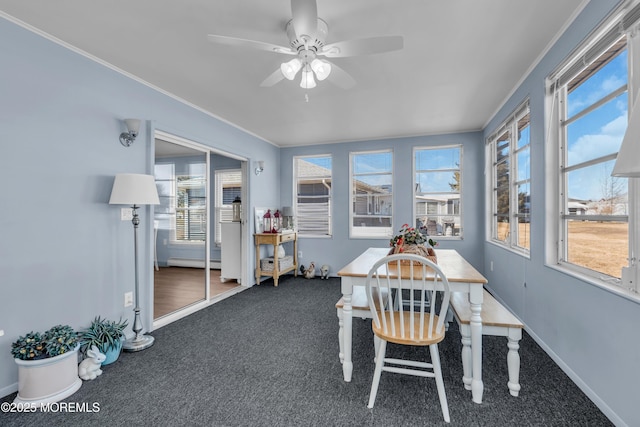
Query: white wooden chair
{"x": 414, "y": 317}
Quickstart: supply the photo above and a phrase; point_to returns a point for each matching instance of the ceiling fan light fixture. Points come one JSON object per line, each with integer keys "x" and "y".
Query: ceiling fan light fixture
{"x": 291, "y": 68}
{"x": 321, "y": 67}
{"x": 307, "y": 82}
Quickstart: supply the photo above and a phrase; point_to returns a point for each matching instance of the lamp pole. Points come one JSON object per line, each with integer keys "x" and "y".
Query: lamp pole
{"x": 139, "y": 341}
{"x": 135, "y": 190}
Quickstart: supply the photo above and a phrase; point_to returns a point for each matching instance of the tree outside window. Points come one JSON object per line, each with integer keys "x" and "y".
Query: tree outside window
{"x": 438, "y": 190}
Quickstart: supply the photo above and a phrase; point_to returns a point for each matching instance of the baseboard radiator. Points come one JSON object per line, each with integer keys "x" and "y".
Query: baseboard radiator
{"x": 194, "y": 263}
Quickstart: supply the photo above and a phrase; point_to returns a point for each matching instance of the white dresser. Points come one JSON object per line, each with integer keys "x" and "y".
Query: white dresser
{"x": 231, "y": 256}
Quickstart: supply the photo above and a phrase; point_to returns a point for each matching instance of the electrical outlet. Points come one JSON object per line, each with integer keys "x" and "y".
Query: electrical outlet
{"x": 299, "y": 254}
{"x": 126, "y": 214}
{"x": 128, "y": 299}
{"x": 491, "y": 265}
{"x": 1, "y": 332}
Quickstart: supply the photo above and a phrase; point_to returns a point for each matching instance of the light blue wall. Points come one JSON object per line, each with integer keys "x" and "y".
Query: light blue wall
{"x": 592, "y": 333}
{"x": 65, "y": 256}
{"x": 339, "y": 250}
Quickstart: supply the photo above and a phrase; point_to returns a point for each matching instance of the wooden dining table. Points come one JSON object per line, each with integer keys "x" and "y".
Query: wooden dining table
{"x": 462, "y": 277}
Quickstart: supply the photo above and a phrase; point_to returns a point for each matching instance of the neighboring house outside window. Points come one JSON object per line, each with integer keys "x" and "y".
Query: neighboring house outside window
{"x": 509, "y": 150}
{"x": 228, "y": 186}
{"x": 371, "y": 177}
{"x": 438, "y": 189}
{"x": 312, "y": 186}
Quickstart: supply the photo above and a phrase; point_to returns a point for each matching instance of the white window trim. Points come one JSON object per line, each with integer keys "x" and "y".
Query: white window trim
{"x": 174, "y": 225}
{"x": 295, "y": 198}
{"x": 218, "y": 206}
{"x": 553, "y": 198}
{"x": 381, "y": 232}
{"x": 460, "y": 168}
{"x": 490, "y": 178}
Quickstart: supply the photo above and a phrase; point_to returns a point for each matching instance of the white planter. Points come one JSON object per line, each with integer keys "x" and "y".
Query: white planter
{"x": 48, "y": 380}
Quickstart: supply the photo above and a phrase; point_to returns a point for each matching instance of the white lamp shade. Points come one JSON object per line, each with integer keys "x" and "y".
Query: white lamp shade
{"x": 133, "y": 126}
{"x": 307, "y": 81}
{"x": 291, "y": 68}
{"x": 321, "y": 68}
{"x": 628, "y": 161}
{"x": 134, "y": 189}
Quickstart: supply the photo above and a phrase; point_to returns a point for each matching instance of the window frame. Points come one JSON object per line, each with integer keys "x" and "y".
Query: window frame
{"x": 509, "y": 125}
{"x": 328, "y": 233}
{"x": 620, "y": 22}
{"x": 383, "y": 232}
{"x": 174, "y": 229}
{"x": 219, "y": 206}
{"x": 459, "y": 169}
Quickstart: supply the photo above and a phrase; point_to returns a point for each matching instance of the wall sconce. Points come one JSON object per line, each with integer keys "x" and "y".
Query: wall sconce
{"x": 259, "y": 167}
{"x": 133, "y": 126}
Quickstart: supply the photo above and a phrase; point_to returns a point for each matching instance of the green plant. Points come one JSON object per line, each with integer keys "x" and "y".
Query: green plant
{"x": 58, "y": 340}
{"x": 27, "y": 347}
{"x": 410, "y": 236}
{"x": 104, "y": 334}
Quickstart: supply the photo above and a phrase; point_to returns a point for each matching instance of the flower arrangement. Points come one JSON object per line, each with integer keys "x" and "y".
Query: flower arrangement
{"x": 54, "y": 342}
{"x": 410, "y": 236}
{"x": 411, "y": 241}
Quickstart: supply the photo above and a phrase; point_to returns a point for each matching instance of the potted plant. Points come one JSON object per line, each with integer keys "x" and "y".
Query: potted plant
{"x": 412, "y": 241}
{"x": 47, "y": 365}
{"x": 105, "y": 334}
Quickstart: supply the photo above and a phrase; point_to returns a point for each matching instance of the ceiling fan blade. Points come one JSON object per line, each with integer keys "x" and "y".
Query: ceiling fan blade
{"x": 304, "y": 15}
{"x": 233, "y": 41}
{"x": 274, "y": 78}
{"x": 366, "y": 46}
{"x": 340, "y": 77}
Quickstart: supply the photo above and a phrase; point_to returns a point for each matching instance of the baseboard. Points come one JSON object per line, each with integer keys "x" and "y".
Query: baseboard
{"x": 193, "y": 263}
{"x": 592, "y": 395}
{"x": 6, "y": 391}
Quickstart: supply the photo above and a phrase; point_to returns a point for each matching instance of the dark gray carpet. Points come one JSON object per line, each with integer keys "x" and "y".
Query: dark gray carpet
{"x": 269, "y": 357}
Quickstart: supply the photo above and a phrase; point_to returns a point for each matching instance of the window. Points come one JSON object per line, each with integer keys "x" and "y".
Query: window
{"x": 164, "y": 214}
{"x": 312, "y": 176}
{"x": 191, "y": 205}
{"x": 509, "y": 149}
{"x": 591, "y": 116}
{"x": 228, "y": 187}
{"x": 438, "y": 186}
{"x": 371, "y": 176}
{"x": 183, "y": 200}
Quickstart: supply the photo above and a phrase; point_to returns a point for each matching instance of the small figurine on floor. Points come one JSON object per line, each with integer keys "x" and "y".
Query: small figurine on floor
{"x": 89, "y": 368}
{"x": 310, "y": 273}
{"x": 324, "y": 272}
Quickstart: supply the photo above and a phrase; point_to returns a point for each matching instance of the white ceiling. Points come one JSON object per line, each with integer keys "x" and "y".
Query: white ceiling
{"x": 461, "y": 59}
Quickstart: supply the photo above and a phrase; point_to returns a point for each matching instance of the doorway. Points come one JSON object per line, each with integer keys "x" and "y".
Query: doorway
{"x": 187, "y": 261}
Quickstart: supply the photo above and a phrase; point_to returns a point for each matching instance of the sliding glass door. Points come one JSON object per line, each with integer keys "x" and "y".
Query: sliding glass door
{"x": 182, "y": 178}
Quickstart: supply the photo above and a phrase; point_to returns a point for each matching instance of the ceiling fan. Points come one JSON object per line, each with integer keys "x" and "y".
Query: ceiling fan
{"x": 307, "y": 34}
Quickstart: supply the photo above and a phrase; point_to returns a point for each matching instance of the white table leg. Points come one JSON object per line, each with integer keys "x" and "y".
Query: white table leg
{"x": 347, "y": 317}
{"x": 341, "y": 335}
{"x": 513, "y": 360}
{"x": 465, "y": 332}
{"x": 475, "y": 300}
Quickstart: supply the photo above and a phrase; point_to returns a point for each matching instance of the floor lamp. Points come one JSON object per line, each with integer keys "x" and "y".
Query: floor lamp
{"x": 134, "y": 190}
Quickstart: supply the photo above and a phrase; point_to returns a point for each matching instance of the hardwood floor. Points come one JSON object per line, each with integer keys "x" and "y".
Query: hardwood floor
{"x": 178, "y": 287}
